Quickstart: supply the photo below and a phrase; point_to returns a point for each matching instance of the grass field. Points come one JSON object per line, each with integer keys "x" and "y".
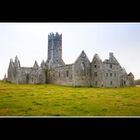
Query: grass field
{"x": 53, "y": 100}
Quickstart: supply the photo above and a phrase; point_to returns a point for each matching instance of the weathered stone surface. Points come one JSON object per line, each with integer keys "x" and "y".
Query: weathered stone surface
{"x": 97, "y": 72}
{"x": 55, "y": 50}
{"x": 36, "y": 66}
{"x": 82, "y": 72}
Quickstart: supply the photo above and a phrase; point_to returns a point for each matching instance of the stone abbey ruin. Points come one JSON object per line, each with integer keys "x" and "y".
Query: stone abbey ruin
{"x": 82, "y": 72}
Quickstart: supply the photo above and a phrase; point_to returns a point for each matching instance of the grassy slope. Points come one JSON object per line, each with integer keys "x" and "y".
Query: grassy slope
{"x": 53, "y": 100}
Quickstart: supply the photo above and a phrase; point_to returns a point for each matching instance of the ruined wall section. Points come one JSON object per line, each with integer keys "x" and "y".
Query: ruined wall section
{"x": 112, "y": 72}
{"x": 62, "y": 75}
{"x": 10, "y": 72}
{"x": 97, "y": 72}
{"x": 31, "y": 75}
{"x": 13, "y": 68}
{"x": 111, "y": 75}
{"x": 81, "y": 71}
{"x": 23, "y": 75}
{"x": 26, "y": 75}
{"x": 130, "y": 80}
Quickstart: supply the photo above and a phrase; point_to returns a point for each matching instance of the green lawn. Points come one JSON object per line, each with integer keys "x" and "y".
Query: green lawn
{"x": 54, "y": 100}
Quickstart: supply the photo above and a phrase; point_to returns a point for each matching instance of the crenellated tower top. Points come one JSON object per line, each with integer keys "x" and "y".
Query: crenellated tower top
{"x": 55, "y": 36}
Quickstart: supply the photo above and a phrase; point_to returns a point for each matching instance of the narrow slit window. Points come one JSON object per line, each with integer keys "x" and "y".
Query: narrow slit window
{"x": 67, "y": 73}
{"x": 83, "y": 68}
{"x": 96, "y": 83}
{"x": 95, "y": 74}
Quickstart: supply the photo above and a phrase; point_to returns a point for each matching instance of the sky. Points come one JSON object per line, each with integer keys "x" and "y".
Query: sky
{"x": 29, "y": 41}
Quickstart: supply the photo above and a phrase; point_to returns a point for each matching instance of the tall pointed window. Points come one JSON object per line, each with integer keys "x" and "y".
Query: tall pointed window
{"x": 67, "y": 73}
{"x": 27, "y": 78}
{"x": 83, "y": 68}
{"x": 96, "y": 83}
{"x": 95, "y": 74}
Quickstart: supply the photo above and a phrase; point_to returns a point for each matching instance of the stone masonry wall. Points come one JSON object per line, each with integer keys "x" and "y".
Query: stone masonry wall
{"x": 61, "y": 75}
{"x": 111, "y": 75}
{"x": 81, "y": 71}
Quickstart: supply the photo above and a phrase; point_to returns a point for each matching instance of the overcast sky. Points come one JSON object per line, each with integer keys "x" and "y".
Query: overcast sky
{"x": 29, "y": 41}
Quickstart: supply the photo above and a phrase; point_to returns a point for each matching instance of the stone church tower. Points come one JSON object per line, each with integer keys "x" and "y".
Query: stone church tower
{"x": 55, "y": 50}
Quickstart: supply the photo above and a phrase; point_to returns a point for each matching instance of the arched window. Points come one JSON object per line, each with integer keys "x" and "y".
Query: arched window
{"x": 96, "y": 83}
{"x": 27, "y": 78}
{"x": 59, "y": 74}
{"x": 124, "y": 82}
{"x": 83, "y": 68}
{"x": 95, "y": 74}
{"x": 67, "y": 73}
{"x": 83, "y": 65}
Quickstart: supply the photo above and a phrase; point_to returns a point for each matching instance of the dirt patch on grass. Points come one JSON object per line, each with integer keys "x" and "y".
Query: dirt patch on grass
{"x": 4, "y": 111}
{"x": 36, "y": 103}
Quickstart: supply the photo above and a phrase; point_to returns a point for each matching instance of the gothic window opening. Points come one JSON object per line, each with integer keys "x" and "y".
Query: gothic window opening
{"x": 67, "y": 73}
{"x": 53, "y": 74}
{"x": 124, "y": 82}
{"x": 96, "y": 83}
{"x": 111, "y": 66}
{"x": 95, "y": 74}
{"x": 27, "y": 78}
{"x": 40, "y": 77}
{"x": 83, "y": 65}
{"x": 83, "y": 68}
